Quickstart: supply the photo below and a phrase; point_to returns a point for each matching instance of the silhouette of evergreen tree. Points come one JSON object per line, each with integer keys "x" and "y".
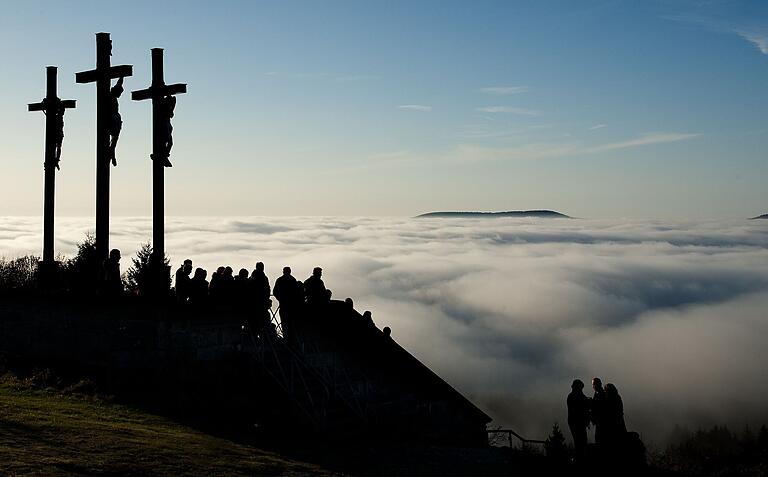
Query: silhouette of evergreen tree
{"x": 81, "y": 272}
{"x": 555, "y": 446}
{"x": 138, "y": 278}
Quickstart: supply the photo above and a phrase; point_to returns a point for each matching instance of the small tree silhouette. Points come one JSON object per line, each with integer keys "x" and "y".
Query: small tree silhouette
{"x": 139, "y": 276}
{"x": 19, "y": 274}
{"x": 81, "y": 272}
{"x": 555, "y": 446}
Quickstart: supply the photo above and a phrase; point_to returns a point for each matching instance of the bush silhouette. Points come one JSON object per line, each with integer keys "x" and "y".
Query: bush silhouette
{"x": 19, "y": 274}
{"x": 138, "y": 278}
{"x": 81, "y": 273}
{"x": 555, "y": 447}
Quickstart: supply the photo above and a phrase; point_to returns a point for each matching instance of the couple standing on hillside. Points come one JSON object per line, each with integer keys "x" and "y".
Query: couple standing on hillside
{"x": 604, "y": 409}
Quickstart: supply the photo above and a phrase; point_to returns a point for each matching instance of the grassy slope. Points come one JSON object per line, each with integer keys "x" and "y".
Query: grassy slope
{"x": 54, "y": 434}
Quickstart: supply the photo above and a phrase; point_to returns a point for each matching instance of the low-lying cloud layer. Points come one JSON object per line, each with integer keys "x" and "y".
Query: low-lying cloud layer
{"x": 511, "y": 310}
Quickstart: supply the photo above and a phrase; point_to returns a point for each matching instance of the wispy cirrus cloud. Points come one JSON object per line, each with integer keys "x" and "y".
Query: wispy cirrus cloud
{"x": 755, "y": 34}
{"x": 471, "y": 152}
{"x": 415, "y": 107}
{"x": 757, "y": 38}
{"x": 597, "y": 126}
{"x": 644, "y": 140}
{"x": 474, "y": 152}
{"x": 509, "y": 110}
{"x": 505, "y": 90}
{"x": 322, "y": 76}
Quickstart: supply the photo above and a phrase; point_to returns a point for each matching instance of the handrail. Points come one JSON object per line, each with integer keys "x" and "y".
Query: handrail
{"x": 326, "y": 381}
{"x": 511, "y": 433}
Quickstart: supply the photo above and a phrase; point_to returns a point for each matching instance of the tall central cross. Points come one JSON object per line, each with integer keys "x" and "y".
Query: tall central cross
{"x": 54, "y": 108}
{"x": 163, "y": 102}
{"x": 103, "y": 76}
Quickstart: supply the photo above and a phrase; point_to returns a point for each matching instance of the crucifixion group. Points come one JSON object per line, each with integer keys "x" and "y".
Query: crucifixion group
{"x": 108, "y": 127}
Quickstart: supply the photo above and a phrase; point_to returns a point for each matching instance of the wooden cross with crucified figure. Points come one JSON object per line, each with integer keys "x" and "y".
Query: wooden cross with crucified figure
{"x": 54, "y": 109}
{"x": 163, "y": 105}
{"x": 108, "y": 126}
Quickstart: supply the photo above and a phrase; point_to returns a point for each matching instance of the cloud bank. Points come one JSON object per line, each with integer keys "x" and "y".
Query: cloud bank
{"x": 511, "y": 310}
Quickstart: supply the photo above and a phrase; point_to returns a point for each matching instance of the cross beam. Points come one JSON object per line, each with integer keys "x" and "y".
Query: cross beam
{"x": 159, "y": 92}
{"x": 53, "y": 107}
{"x": 103, "y": 76}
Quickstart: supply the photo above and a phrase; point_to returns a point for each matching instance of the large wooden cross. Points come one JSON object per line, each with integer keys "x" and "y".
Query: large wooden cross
{"x": 159, "y": 93}
{"x": 103, "y": 76}
{"x": 53, "y": 107}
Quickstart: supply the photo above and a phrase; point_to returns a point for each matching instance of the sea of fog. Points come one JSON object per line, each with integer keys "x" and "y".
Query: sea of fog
{"x": 511, "y": 310}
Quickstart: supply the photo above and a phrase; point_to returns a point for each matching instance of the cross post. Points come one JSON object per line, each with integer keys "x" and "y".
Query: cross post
{"x": 159, "y": 93}
{"x": 54, "y": 108}
{"x": 103, "y": 76}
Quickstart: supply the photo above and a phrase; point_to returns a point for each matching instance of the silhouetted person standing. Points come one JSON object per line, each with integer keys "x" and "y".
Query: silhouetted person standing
{"x": 578, "y": 417}
{"x": 228, "y": 285}
{"x": 216, "y": 289}
{"x": 260, "y": 286}
{"x": 241, "y": 288}
{"x": 113, "y": 281}
{"x": 287, "y": 293}
{"x": 115, "y": 120}
{"x": 285, "y": 288}
{"x": 198, "y": 287}
{"x": 598, "y": 410}
{"x": 300, "y": 294}
{"x": 615, "y": 427}
{"x": 182, "y": 281}
{"x": 368, "y": 319}
{"x": 314, "y": 287}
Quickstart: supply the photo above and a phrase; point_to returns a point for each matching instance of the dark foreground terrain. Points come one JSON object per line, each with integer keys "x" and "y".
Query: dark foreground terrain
{"x": 49, "y": 426}
{"x": 64, "y": 432}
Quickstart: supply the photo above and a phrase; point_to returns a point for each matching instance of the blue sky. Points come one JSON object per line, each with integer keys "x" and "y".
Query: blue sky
{"x": 596, "y": 109}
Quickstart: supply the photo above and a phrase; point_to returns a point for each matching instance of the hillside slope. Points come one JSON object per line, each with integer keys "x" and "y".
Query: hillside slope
{"x": 54, "y": 434}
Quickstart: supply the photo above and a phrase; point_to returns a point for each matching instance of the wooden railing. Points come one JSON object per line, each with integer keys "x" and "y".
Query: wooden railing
{"x": 510, "y": 433}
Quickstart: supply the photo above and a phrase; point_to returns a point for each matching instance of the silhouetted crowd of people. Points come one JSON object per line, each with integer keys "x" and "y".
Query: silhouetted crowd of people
{"x": 252, "y": 290}
{"x": 248, "y": 292}
{"x": 604, "y": 410}
{"x": 253, "y": 293}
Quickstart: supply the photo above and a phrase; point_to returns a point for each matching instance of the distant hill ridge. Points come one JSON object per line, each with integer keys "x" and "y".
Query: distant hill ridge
{"x": 764, "y": 216}
{"x": 548, "y": 214}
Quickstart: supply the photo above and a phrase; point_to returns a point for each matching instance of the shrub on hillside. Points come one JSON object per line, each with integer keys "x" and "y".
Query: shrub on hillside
{"x": 555, "y": 446}
{"x": 138, "y": 278}
{"x": 717, "y": 451}
{"x": 80, "y": 273}
{"x": 19, "y": 274}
